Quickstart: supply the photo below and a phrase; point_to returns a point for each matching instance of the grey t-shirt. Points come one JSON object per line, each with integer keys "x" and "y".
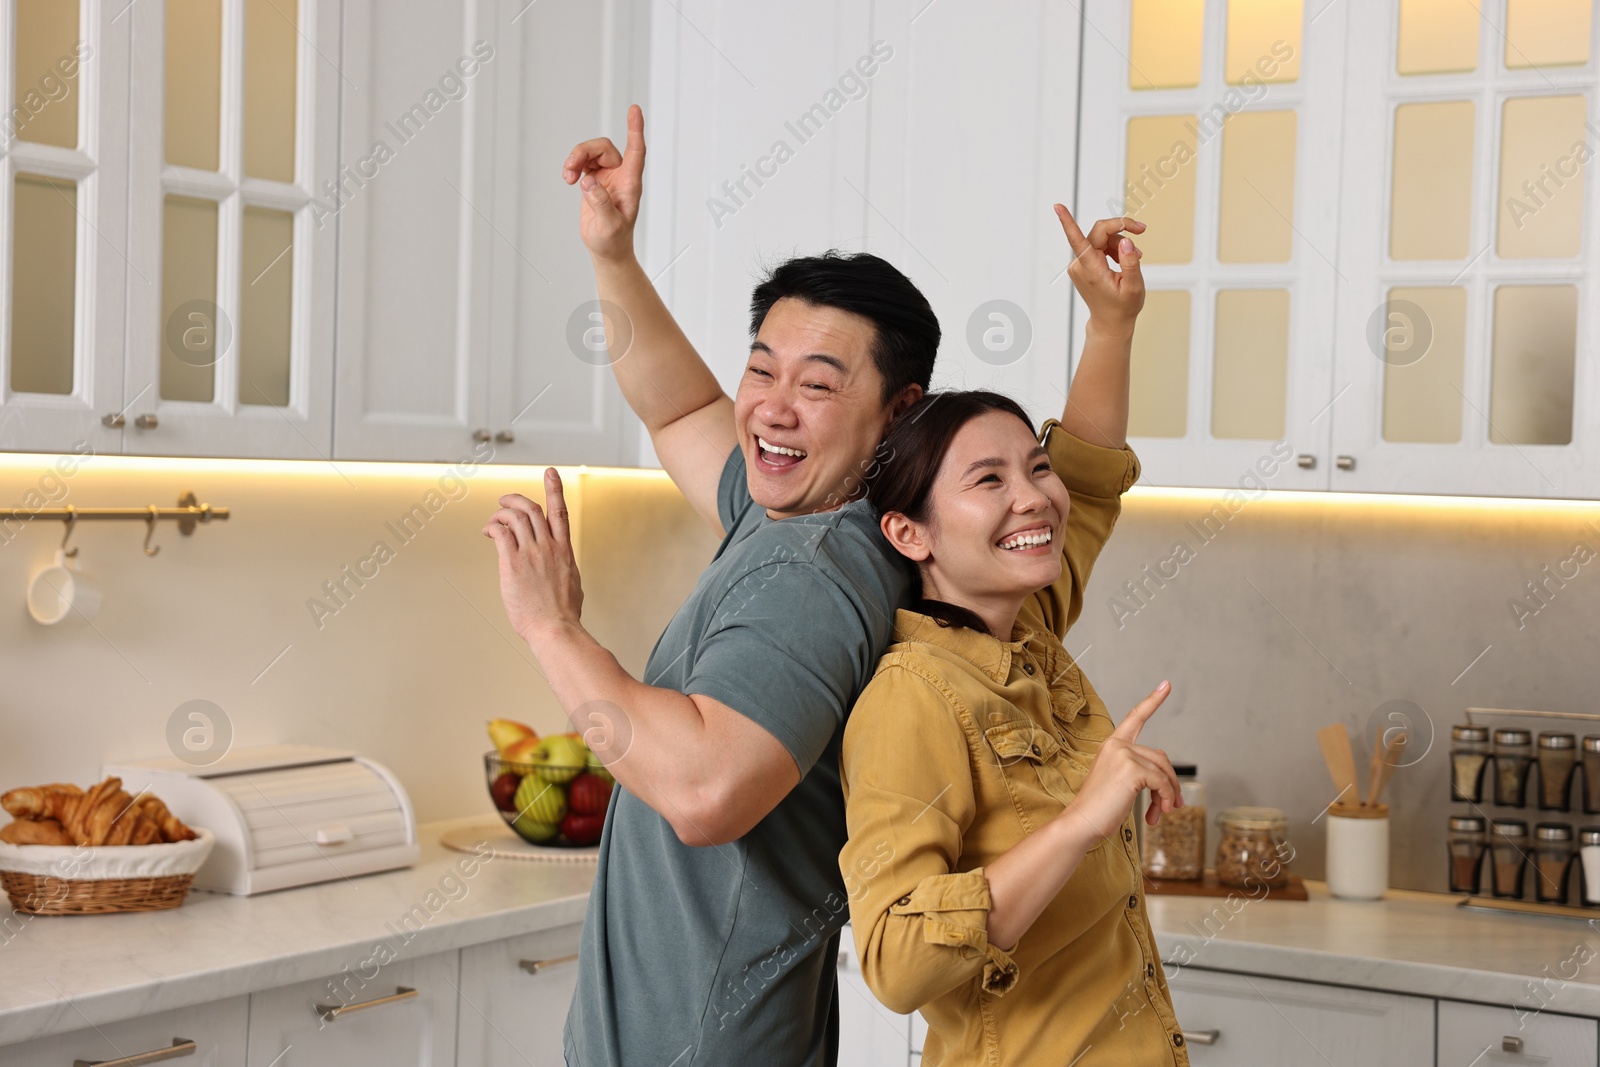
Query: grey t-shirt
{"x": 725, "y": 955}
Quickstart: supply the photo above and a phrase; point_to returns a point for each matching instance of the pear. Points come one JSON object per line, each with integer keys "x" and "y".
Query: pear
{"x": 504, "y": 732}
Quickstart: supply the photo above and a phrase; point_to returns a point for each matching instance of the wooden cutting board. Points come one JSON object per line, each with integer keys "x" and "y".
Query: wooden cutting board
{"x": 1208, "y": 886}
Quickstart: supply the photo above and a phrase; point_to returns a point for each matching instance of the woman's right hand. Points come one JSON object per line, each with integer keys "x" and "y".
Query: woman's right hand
{"x": 1121, "y": 769}
{"x": 612, "y": 184}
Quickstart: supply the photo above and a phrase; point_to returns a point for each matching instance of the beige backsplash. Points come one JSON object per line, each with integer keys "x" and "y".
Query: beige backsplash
{"x": 1296, "y": 612}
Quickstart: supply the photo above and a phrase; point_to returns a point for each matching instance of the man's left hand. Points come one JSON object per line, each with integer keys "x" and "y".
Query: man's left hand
{"x": 539, "y": 581}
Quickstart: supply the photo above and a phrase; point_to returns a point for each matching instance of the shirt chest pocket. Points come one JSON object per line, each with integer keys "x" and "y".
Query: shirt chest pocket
{"x": 1041, "y": 774}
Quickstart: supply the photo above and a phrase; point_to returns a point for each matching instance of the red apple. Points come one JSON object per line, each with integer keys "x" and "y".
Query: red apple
{"x": 504, "y": 791}
{"x": 583, "y": 829}
{"x": 589, "y": 794}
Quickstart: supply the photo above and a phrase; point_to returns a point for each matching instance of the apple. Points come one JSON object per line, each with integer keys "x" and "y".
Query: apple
{"x": 503, "y": 732}
{"x": 535, "y": 831}
{"x": 559, "y": 758}
{"x": 589, "y": 794}
{"x": 504, "y": 791}
{"x": 598, "y": 769}
{"x": 583, "y": 829}
{"x": 540, "y": 801}
{"x": 520, "y": 750}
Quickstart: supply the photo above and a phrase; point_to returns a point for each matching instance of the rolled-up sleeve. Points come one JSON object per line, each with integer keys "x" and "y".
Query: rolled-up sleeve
{"x": 920, "y": 920}
{"x": 1095, "y": 478}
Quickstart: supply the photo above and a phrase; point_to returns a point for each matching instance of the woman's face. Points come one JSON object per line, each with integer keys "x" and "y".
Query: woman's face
{"x": 996, "y": 516}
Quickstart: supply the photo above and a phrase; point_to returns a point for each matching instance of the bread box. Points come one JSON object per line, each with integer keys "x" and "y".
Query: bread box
{"x": 284, "y": 815}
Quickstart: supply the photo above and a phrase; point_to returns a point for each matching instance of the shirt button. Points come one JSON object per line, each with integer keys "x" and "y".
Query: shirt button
{"x": 1027, "y": 668}
{"x": 1149, "y": 970}
{"x": 1133, "y": 901}
{"x": 1036, "y": 750}
{"x": 1177, "y": 1040}
{"x": 1127, "y": 834}
{"x": 903, "y": 901}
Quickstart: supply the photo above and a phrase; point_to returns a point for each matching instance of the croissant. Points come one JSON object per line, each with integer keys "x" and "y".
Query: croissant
{"x": 34, "y": 832}
{"x": 171, "y": 828}
{"x": 38, "y": 801}
{"x": 103, "y": 815}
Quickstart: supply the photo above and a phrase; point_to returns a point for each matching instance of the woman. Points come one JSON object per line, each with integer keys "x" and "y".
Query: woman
{"x": 991, "y": 867}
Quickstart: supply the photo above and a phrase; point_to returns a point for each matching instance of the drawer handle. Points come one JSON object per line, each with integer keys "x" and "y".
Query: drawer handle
{"x": 1201, "y": 1037}
{"x": 181, "y": 1046}
{"x": 1511, "y": 1044}
{"x": 330, "y": 1012}
{"x": 535, "y": 966}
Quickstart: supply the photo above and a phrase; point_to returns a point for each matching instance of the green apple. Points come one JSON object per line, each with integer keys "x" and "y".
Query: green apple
{"x": 535, "y": 831}
{"x": 598, "y": 769}
{"x": 559, "y": 758}
{"x": 540, "y": 801}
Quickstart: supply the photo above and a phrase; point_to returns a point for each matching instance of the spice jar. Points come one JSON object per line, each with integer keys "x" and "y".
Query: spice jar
{"x": 1513, "y": 753}
{"x": 1508, "y": 851}
{"x": 1591, "y": 774}
{"x": 1558, "y": 757}
{"x": 1589, "y": 860}
{"x": 1253, "y": 850}
{"x": 1469, "y": 755}
{"x": 1552, "y": 857}
{"x": 1175, "y": 847}
{"x": 1468, "y": 838}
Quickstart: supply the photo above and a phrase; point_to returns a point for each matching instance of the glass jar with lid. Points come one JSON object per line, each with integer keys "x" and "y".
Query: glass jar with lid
{"x": 1175, "y": 847}
{"x": 1591, "y": 776}
{"x": 1467, "y": 842}
{"x": 1589, "y": 862}
{"x": 1558, "y": 758}
{"x": 1513, "y": 754}
{"x": 1508, "y": 854}
{"x": 1552, "y": 859}
{"x": 1469, "y": 755}
{"x": 1254, "y": 848}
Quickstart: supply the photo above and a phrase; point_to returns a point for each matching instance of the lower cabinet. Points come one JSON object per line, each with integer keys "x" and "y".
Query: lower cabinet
{"x": 400, "y": 1013}
{"x": 870, "y": 1035}
{"x": 1502, "y": 1036}
{"x": 1245, "y": 1021}
{"x": 206, "y": 1035}
{"x": 514, "y": 999}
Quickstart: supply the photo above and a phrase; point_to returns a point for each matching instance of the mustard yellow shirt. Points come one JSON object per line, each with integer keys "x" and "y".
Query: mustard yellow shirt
{"x": 960, "y": 746}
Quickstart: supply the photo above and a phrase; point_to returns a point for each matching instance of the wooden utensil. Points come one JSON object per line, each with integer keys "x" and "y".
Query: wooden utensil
{"x": 1385, "y": 767}
{"x": 1341, "y": 761}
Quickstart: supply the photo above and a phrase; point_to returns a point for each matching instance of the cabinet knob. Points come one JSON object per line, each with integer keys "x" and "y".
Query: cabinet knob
{"x": 505, "y": 437}
{"x": 1306, "y": 460}
{"x": 1345, "y": 463}
{"x": 1511, "y": 1044}
{"x": 147, "y": 421}
{"x": 114, "y": 421}
{"x": 1201, "y": 1037}
{"x": 480, "y": 435}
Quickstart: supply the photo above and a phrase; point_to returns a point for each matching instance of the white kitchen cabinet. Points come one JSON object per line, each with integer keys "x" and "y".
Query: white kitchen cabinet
{"x": 206, "y": 1035}
{"x": 395, "y": 1013}
{"x": 870, "y": 1035}
{"x": 514, "y": 999}
{"x": 1242, "y": 1021}
{"x": 1502, "y": 1036}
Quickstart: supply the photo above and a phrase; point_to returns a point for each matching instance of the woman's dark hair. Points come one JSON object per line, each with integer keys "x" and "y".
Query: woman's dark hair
{"x": 861, "y": 283}
{"x": 908, "y": 461}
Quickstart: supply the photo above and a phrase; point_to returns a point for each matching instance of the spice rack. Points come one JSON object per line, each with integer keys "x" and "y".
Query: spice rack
{"x": 1478, "y": 777}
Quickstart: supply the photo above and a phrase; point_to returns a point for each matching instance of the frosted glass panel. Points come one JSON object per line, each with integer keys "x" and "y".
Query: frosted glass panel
{"x": 194, "y": 82}
{"x": 1257, "y": 199}
{"x": 1158, "y": 400}
{"x": 1430, "y": 208}
{"x": 1542, "y": 154}
{"x": 1438, "y": 36}
{"x": 1164, "y": 46}
{"x": 265, "y": 306}
{"x": 1263, "y": 41}
{"x": 1250, "y": 364}
{"x": 270, "y": 43}
{"x": 1425, "y": 347}
{"x": 1160, "y": 185}
{"x": 1535, "y": 341}
{"x": 189, "y": 326}
{"x": 1547, "y": 33}
{"x": 43, "y": 293}
{"x": 46, "y": 103}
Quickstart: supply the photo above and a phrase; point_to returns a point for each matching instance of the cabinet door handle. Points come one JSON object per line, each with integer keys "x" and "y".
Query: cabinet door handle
{"x": 330, "y": 1012}
{"x": 114, "y": 421}
{"x": 480, "y": 435}
{"x": 1345, "y": 463}
{"x": 147, "y": 422}
{"x": 1306, "y": 460}
{"x": 505, "y": 437}
{"x": 181, "y": 1046}
{"x": 535, "y": 966}
{"x": 1511, "y": 1044}
{"x": 1201, "y": 1037}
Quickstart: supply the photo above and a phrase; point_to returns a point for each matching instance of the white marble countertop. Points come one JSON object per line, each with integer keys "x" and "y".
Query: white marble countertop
{"x": 1408, "y": 942}
{"x": 62, "y": 973}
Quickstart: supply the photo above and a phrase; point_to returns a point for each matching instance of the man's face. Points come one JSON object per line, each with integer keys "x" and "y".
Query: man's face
{"x": 812, "y": 391}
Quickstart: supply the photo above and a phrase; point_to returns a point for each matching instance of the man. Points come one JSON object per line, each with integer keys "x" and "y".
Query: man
{"x": 713, "y": 926}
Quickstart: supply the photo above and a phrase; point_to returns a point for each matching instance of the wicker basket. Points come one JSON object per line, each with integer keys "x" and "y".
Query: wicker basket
{"x": 72, "y": 880}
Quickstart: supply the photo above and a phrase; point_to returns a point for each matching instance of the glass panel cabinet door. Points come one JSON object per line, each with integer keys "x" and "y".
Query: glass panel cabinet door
{"x": 233, "y": 154}
{"x": 63, "y": 227}
{"x": 1216, "y": 123}
{"x": 1465, "y": 331}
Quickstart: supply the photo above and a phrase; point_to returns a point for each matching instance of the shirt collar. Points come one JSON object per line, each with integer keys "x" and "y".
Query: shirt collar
{"x": 984, "y": 651}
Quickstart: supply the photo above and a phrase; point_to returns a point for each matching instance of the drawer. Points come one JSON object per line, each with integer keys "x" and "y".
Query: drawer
{"x": 1488, "y": 1035}
{"x": 217, "y": 1030}
{"x": 515, "y": 995}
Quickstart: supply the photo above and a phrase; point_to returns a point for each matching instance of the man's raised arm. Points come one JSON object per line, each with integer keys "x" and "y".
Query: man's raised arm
{"x": 664, "y": 380}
